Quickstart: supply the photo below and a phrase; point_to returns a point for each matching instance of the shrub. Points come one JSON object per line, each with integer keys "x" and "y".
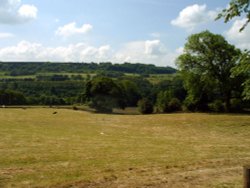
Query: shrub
{"x": 104, "y": 94}
{"x": 174, "y": 105}
{"x": 190, "y": 104}
{"x": 194, "y": 105}
{"x": 162, "y": 101}
{"x": 236, "y": 105}
{"x": 145, "y": 106}
{"x": 216, "y": 106}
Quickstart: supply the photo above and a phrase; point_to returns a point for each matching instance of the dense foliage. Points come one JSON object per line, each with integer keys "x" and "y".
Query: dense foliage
{"x": 104, "y": 94}
{"x": 65, "y": 84}
{"x": 206, "y": 67}
{"x": 45, "y": 92}
{"x": 24, "y": 68}
{"x": 243, "y": 69}
{"x": 145, "y": 106}
{"x": 236, "y": 8}
{"x": 8, "y": 97}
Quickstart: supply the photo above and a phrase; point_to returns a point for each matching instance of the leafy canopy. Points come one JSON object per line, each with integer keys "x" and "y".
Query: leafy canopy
{"x": 206, "y": 67}
{"x": 243, "y": 68}
{"x": 236, "y": 8}
{"x": 104, "y": 94}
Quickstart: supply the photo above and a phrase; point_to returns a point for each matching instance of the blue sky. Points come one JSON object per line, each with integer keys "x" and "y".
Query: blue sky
{"x": 145, "y": 31}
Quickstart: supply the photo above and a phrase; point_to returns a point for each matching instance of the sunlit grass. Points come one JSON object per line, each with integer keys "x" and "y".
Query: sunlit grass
{"x": 156, "y": 78}
{"x": 40, "y": 148}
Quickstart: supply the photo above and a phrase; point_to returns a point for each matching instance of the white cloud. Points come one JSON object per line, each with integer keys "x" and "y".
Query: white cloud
{"x": 192, "y": 16}
{"x": 148, "y": 52}
{"x": 71, "y": 29}
{"x": 6, "y": 35}
{"x": 154, "y": 47}
{"x": 103, "y": 51}
{"x": 13, "y": 12}
{"x": 241, "y": 39}
{"x": 28, "y": 11}
{"x": 180, "y": 50}
{"x": 27, "y": 51}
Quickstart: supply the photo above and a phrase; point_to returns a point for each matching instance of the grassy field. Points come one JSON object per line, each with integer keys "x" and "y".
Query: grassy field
{"x": 4, "y": 76}
{"x": 39, "y": 148}
{"x": 156, "y": 78}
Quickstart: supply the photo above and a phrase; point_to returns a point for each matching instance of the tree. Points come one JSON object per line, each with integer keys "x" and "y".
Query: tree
{"x": 243, "y": 68}
{"x": 131, "y": 91}
{"x": 236, "y": 8}
{"x": 174, "y": 105}
{"x": 8, "y": 97}
{"x": 206, "y": 68}
{"x": 162, "y": 101}
{"x": 166, "y": 102}
{"x": 104, "y": 94}
{"x": 145, "y": 106}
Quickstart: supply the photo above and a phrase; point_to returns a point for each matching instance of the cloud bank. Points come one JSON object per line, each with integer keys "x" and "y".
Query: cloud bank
{"x": 148, "y": 52}
{"x": 27, "y": 51}
{"x": 192, "y": 16}
{"x": 14, "y": 12}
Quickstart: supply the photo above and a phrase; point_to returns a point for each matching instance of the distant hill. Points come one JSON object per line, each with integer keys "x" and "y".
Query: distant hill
{"x": 30, "y": 68}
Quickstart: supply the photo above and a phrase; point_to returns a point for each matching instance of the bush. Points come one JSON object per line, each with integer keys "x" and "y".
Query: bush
{"x": 162, "y": 101}
{"x": 104, "y": 94}
{"x": 236, "y": 105}
{"x": 216, "y": 106}
{"x": 145, "y": 106}
{"x": 194, "y": 105}
{"x": 9, "y": 97}
{"x": 174, "y": 105}
{"x": 190, "y": 104}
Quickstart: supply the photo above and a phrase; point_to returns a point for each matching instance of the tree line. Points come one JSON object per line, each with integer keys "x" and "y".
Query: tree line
{"x": 68, "y": 92}
{"x": 32, "y": 68}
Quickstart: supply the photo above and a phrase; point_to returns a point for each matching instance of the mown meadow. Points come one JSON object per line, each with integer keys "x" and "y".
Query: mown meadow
{"x": 46, "y": 147}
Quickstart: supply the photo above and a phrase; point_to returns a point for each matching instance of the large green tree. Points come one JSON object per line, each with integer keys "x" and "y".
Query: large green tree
{"x": 206, "y": 68}
{"x": 236, "y": 8}
{"x": 243, "y": 69}
{"x": 104, "y": 94}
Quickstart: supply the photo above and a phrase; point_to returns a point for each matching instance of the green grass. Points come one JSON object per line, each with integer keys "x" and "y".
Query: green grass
{"x": 17, "y": 77}
{"x": 3, "y": 76}
{"x": 84, "y": 75}
{"x": 81, "y": 149}
{"x": 156, "y": 78}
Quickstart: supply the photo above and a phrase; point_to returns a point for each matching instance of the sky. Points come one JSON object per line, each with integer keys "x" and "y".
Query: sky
{"x": 136, "y": 31}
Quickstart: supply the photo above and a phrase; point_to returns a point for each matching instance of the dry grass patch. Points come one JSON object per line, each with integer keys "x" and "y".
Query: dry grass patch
{"x": 74, "y": 148}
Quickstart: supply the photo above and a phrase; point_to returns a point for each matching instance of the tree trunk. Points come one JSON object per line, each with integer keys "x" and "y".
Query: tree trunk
{"x": 227, "y": 101}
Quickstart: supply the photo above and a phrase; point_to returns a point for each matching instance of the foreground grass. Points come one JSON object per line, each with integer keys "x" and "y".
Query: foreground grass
{"x": 73, "y": 148}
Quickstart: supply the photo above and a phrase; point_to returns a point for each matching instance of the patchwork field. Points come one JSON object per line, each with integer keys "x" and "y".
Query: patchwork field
{"x": 41, "y": 148}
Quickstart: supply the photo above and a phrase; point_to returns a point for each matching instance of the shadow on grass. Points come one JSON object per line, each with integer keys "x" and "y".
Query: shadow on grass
{"x": 126, "y": 111}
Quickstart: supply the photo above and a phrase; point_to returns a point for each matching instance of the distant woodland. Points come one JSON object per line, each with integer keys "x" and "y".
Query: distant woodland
{"x": 30, "y": 68}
